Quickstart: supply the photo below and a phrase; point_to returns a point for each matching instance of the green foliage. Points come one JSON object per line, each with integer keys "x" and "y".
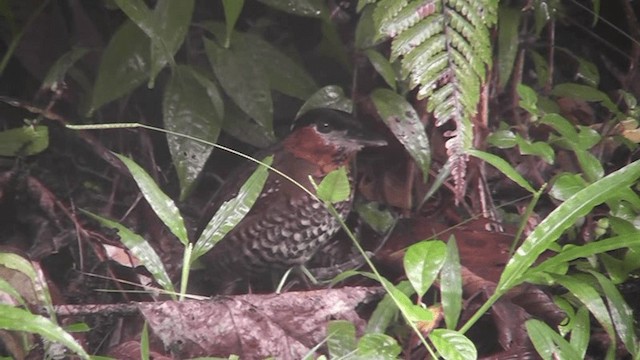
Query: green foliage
{"x": 444, "y": 48}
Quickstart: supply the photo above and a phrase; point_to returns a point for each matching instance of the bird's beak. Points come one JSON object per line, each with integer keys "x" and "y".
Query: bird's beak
{"x": 366, "y": 139}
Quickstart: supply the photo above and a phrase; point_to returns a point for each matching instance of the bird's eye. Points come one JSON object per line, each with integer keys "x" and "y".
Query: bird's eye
{"x": 324, "y": 127}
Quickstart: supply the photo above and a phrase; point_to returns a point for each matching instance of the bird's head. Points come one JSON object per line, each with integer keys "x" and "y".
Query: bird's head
{"x": 329, "y": 138}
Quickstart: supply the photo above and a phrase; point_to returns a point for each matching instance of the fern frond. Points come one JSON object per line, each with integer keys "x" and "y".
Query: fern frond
{"x": 444, "y": 47}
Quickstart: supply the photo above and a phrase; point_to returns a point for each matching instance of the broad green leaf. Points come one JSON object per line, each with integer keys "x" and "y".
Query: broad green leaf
{"x": 548, "y": 343}
{"x": 451, "y": 285}
{"x": 161, "y": 204}
{"x": 378, "y": 346}
{"x": 239, "y": 125}
{"x": 538, "y": 148}
{"x": 232, "y": 9}
{"x": 335, "y": 187}
{"x": 309, "y": 8}
{"x": 562, "y": 126}
{"x": 284, "y": 74}
{"x": 504, "y": 167}
{"x": 403, "y": 121}
{"x": 383, "y": 67}
{"x": 190, "y": 109}
{"x": 124, "y": 66}
{"x": 502, "y": 139}
{"x": 341, "y": 338}
{"x": 24, "y": 141}
{"x": 422, "y": 262}
{"x": 528, "y": 99}
{"x": 564, "y": 216}
{"x": 452, "y": 345}
{"x": 232, "y": 211}
{"x": 621, "y": 313}
{"x": 59, "y": 70}
{"x": 331, "y": 97}
{"x": 590, "y": 298}
{"x": 244, "y": 82}
{"x": 166, "y": 26}
{"x": 508, "y": 24}
{"x": 587, "y": 137}
{"x": 566, "y": 185}
{"x": 584, "y": 92}
{"x": 15, "y": 319}
{"x": 590, "y": 165}
{"x": 365, "y": 36}
{"x": 141, "y": 249}
{"x": 380, "y": 220}
{"x": 386, "y": 311}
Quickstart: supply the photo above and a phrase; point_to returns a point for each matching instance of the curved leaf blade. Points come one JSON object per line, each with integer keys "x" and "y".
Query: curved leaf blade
{"x": 565, "y": 215}
{"x": 192, "y": 109}
{"x": 16, "y": 319}
{"x": 141, "y": 249}
{"x": 161, "y": 204}
{"x": 403, "y": 120}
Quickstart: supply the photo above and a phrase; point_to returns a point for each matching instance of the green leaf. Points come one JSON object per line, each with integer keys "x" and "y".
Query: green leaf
{"x": 528, "y": 99}
{"x": 585, "y": 251}
{"x": 452, "y": 345}
{"x": 239, "y": 125}
{"x": 8, "y": 290}
{"x": 380, "y": 220}
{"x": 590, "y": 165}
{"x": 586, "y": 93}
{"x": 284, "y": 74}
{"x": 548, "y": 343}
{"x": 124, "y": 66}
{"x": 562, "y": 126}
{"x": 383, "y": 67}
{"x": 331, "y": 97}
{"x": 386, "y": 311}
{"x": 539, "y": 148}
{"x": 59, "y": 70}
{"x": 244, "y": 82}
{"x": 335, "y": 187}
{"x": 341, "y": 338}
{"x": 232, "y": 211}
{"x": 378, "y": 346}
{"x": 14, "y": 319}
{"x": 232, "y": 9}
{"x": 161, "y": 204}
{"x": 141, "y": 249}
{"x": 564, "y": 216}
{"x": 308, "y": 8}
{"x": 502, "y": 139}
{"x": 566, "y": 185}
{"x": 504, "y": 167}
{"x": 451, "y": 285}
{"x": 508, "y": 42}
{"x": 589, "y": 297}
{"x": 191, "y": 109}
{"x": 422, "y": 262}
{"x": 24, "y": 141}
{"x": 166, "y": 26}
{"x": 621, "y": 313}
{"x": 580, "y": 332}
{"x": 403, "y": 121}
{"x": 24, "y": 266}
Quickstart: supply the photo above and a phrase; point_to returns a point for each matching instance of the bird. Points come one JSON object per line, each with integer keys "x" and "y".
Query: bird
{"x": 286, "y": 226}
